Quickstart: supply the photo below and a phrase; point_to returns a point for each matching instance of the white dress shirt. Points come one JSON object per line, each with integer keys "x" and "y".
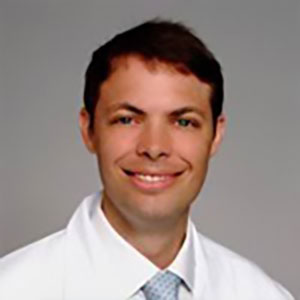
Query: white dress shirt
{"x": 89, "y": 260}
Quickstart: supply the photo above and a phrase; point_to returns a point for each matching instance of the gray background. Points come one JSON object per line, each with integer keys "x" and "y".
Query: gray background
{"x": 251, "y": 199}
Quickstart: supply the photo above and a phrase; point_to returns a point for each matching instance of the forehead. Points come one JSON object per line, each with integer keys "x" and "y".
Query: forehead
{"x": 151, "y": 64}
{"x": 152, "y": 83}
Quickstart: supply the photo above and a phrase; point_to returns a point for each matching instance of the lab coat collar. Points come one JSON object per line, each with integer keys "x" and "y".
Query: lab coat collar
{"x": 93, "y": 268}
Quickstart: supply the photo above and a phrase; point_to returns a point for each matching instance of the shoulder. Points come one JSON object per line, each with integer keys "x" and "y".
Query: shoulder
{"x": 232, "y": 271}
{"x": 29, "y": 271}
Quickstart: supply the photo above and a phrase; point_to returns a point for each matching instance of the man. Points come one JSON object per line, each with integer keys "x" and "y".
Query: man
{"x": 153, "y": 117}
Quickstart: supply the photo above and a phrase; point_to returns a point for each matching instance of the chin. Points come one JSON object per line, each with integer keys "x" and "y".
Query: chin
{"x": 158, "y": 209}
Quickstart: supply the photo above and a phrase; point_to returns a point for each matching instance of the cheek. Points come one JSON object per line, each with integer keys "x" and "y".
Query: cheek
{"x": 194, "y": 148}
{"x": 114, "y": 145}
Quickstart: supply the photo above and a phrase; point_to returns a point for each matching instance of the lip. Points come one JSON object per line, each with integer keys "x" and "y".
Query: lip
{"x": 154, "y": 186}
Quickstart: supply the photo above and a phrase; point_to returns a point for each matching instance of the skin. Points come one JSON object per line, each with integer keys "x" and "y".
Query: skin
{"x": 151, "y": 119}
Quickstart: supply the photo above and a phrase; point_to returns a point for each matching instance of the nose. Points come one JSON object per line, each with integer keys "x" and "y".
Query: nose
{"x": 154, "y": 142}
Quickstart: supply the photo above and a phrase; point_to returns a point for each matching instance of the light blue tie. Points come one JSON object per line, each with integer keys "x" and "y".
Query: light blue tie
{"x": 163, "y": 286}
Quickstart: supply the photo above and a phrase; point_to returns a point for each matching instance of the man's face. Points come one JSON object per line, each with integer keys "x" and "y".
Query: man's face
{"x": 153, "y": 138}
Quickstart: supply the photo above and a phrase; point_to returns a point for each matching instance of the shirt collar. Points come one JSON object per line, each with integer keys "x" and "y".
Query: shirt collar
{"x": 185, "y": 261}
{"x": 124, "y": 256}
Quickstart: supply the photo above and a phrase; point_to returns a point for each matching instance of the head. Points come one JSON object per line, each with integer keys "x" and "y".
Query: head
{"x": 155, "y": 41}
{"x": 153, "y": 102}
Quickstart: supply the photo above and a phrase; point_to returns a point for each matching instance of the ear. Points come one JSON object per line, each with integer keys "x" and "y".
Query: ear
{"x": 219, "y": 134}
{"x": 86, "y": 134}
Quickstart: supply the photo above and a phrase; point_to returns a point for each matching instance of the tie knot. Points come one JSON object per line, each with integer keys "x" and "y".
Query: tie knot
{"x": 162, "y": 286}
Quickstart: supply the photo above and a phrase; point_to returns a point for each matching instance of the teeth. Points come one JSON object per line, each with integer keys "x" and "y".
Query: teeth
{"x": 151, "y": 178}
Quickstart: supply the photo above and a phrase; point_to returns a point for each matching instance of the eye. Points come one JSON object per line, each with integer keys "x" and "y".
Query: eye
{"x": 184, "y": 122}
{"x": 125, "y": 120}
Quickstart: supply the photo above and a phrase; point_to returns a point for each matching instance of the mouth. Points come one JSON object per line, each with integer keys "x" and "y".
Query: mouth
{"x": 152, "y": 181}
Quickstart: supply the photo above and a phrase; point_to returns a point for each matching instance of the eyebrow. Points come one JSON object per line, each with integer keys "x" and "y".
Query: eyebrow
{"x": 185, "y": 110}
{"x": 127, "y": 106}
{"x": 176, "y": 113}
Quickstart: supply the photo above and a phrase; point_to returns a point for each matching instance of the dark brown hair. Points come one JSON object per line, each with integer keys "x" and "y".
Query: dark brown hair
{"x": 156, "y": 40}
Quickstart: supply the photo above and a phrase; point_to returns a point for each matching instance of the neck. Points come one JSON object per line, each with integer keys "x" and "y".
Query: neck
{"x": 160, "y": 242}
{"x": 162, "y": 247}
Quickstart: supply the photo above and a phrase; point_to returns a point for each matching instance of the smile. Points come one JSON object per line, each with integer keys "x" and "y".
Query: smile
{"x": 152, "y": 178}
{"x": 151, "y": 182}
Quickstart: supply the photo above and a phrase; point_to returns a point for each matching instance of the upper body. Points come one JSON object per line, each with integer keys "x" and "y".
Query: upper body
{"x": 90, "y": 260}
{"x": 153, "y": 117}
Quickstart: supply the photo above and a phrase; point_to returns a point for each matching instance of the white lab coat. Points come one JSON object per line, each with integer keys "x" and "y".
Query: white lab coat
{"x": 62, "y": 267}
